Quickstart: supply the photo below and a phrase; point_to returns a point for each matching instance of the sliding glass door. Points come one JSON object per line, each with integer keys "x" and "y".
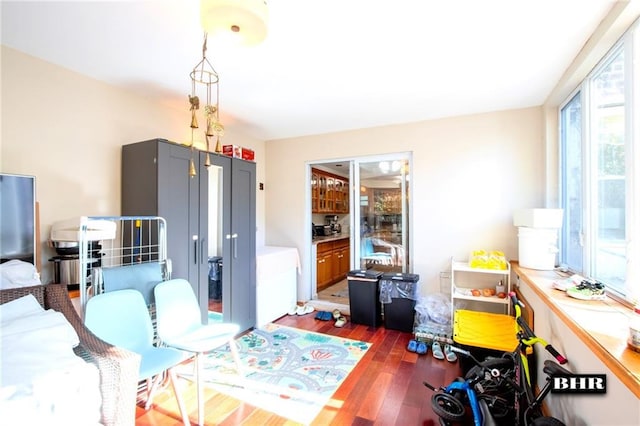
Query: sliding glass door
{"x": 381, "y": 213}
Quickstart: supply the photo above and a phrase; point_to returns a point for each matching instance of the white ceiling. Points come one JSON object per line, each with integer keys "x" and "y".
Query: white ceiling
{"x": 327, "y": 65}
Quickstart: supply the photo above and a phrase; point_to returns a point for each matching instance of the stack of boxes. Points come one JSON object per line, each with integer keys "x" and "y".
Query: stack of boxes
{"x": 237, "y": 151}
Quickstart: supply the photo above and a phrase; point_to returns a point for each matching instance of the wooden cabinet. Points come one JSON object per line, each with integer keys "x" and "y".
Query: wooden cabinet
{"x": 324, "y": 265}
{"x": 329, "y": 193}
{"x": 332, "y": 262}
{"x": 341, "y": 195}
{"x": 340, "y": 259}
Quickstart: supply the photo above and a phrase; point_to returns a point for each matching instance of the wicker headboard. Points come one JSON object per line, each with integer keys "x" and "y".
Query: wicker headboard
{"x": 7, "y": 295}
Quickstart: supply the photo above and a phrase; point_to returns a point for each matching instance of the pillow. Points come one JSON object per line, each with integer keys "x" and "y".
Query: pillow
{"x": 45, "y": 326}
{"x": 22, "y": 307}
{"x": 16, "y": 273}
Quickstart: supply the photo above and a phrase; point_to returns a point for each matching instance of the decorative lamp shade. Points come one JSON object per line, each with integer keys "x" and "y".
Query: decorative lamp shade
{"x": 244, "y": 19}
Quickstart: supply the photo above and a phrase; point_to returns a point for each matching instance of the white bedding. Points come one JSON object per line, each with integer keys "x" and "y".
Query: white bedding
{"x": 42, "y": 381}
{"x": 16, "y": 273}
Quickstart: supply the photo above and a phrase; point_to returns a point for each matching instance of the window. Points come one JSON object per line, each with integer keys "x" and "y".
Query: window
{"x": 597, "y": 170}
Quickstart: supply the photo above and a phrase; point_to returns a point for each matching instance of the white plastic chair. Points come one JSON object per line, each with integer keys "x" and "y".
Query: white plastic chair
{"x": 179, "y": 326}
{"x": 122, "y": 319}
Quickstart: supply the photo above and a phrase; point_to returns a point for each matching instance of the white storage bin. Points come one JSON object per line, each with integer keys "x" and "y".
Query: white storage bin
{"x": 537, "y": 248}
{"x": 538, "y": 218}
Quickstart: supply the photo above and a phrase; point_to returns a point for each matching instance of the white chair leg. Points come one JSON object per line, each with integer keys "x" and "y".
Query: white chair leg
{"x": 181, "y": 406}
{"x": 236, "y": 357}
{"x": 199, "y": 360}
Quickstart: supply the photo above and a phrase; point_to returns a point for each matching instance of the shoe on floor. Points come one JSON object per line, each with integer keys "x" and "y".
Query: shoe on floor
{"x": 412, "y": 346}
{"x": 422, "y": 348}
{"x": 293, "y": 310}
{"x": 451, "y": 355}
{"x": 323, "y": 315}
{"x": 305, "y": 309}
{"x": 336, "y": 314}
{"x": 341, "y": 321}
{"x": 436, "y": 349}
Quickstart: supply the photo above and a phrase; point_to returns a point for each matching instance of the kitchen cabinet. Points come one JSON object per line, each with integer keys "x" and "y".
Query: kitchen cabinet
{"x": 332, "y": 262}
{"x": 340, "y": 266}
{"x": 329, "y": 193}
{"x": 465, "y": 279}
{"x": 324, "y": 265}
{"x": 156, "y": 181}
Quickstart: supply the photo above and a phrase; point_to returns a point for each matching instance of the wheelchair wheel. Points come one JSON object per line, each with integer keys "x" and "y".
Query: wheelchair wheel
{"x": 448, "y": 407}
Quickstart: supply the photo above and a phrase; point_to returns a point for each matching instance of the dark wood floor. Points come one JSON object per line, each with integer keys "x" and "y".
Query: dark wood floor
{"x": 385, "y": 388}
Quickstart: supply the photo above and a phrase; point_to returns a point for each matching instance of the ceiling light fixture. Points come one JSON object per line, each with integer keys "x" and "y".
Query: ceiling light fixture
{"x": 386, "y": 166}
{"x": 243, "y": 21}
{"x": 203, "y": 74}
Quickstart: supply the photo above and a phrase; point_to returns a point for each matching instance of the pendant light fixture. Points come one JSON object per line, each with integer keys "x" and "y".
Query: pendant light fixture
{"x": 204, "y": 77}
{"x": 242, "y": 21}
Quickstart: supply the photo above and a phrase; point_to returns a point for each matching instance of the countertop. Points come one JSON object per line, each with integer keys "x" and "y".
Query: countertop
{"x": 334, "y": 237}
{"x": 601, "y": 325}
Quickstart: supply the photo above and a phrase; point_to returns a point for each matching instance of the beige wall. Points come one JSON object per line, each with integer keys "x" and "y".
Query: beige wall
{"x": 67, "y": 130}
{"x": 469, "y": 174}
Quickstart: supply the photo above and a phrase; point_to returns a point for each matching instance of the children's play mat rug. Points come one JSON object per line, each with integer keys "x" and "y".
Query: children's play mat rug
{"x": 293, "y": 373}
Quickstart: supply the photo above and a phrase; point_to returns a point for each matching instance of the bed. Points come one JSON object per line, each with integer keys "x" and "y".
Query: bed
{"x": 99, "y": 371}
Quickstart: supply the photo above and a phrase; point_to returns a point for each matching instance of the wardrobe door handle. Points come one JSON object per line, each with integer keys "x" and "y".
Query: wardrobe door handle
{"x": 195, "y": 249}
{"x": 234, "y": 237}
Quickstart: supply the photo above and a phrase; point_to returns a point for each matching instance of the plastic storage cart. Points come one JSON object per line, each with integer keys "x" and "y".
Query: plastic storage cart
{"x": 364, "y": 299}
{"x": 485, "y": 334}
{"x": 485, "y": 330}
{"x": 398, "y": 294}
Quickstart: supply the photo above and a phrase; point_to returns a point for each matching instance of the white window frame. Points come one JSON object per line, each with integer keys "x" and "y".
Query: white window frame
{"x": 630, "y": 42}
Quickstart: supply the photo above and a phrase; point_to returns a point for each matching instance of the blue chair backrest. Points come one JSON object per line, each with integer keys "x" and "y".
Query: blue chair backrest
{"x": 367, "y": 247}
{"x": 177, "y": 309}
{"x": 120, "y": 318}
{"x": 139, "y": 276}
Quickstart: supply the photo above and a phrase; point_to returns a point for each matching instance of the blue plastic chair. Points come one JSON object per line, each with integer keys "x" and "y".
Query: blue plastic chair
{"x": 122, "y": 319}
{"x": 179, "y": 326}
{"x": 370, "y": 256}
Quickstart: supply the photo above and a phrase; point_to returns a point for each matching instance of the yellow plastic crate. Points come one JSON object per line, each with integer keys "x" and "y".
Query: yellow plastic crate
{"x": 485, "y": 330}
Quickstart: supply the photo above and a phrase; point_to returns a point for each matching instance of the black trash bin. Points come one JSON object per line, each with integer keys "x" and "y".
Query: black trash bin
{"x": 364, "y": 299}
{"x": 398, "y": 295}
{"x": 215, "y": 278}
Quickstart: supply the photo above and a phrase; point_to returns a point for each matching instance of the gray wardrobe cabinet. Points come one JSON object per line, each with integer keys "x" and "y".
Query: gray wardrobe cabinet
{"x": 156, "y": 182}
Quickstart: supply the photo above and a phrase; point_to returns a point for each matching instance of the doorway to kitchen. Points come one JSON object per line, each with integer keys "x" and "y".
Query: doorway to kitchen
{"x": 360, "y": 219}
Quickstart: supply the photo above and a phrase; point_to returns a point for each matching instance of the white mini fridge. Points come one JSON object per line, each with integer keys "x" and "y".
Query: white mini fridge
{"x": 276, "y": 282}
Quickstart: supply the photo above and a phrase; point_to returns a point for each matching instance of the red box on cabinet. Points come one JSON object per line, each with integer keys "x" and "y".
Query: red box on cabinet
{"x": 248, "y": 154}
{"x": 236, "y": 151}
{"x": 232, "y": 151}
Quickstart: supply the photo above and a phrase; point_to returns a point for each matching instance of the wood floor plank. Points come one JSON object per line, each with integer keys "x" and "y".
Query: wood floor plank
{"x": 375, "y": 397}
{"x": 394, "y": 397}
